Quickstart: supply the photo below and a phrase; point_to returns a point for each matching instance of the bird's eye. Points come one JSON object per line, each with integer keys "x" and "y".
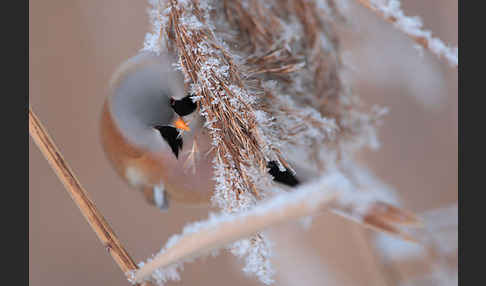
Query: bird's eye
{"x": 183, "y": 106}
{"x": 171, "y": 136}
{"x": 285, "y": 177}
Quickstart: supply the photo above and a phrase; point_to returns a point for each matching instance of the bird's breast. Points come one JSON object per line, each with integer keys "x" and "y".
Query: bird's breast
{"x": 187, "y": 179}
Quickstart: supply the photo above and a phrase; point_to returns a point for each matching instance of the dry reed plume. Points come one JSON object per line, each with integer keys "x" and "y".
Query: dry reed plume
{"x": 267, "y": 79}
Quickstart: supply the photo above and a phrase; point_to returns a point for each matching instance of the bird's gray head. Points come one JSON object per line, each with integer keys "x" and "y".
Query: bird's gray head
{"x": 140, "y": 101}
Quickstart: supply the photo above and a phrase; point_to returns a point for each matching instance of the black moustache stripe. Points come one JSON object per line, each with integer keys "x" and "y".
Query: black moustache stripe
{"x": 183, "y": 106}
{"x": 171, "y": 136}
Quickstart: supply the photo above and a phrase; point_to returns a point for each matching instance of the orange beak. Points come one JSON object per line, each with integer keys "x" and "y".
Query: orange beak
{"x": 180, "y": 124}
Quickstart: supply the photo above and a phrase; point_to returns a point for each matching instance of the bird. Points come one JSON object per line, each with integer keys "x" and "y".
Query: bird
{"x": 154, "y": 138}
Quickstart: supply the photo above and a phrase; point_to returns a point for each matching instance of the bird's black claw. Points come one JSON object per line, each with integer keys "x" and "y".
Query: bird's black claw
{"x": 285, "y": 177}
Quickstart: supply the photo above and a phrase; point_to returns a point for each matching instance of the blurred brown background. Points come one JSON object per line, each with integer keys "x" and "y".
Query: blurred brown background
{"x": 76, "y": 45}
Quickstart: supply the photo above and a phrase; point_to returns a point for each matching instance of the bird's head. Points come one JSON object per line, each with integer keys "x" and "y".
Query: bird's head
{"x": 148, "y": 103}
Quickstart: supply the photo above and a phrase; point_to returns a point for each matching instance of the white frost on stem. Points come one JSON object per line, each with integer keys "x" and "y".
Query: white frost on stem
{"x": 204, "y": 237}
{"x": 201, "y": 238}
{"x": 413, "y": 27}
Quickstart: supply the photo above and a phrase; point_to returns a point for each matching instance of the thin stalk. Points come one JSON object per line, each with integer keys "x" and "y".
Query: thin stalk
{"x": 421, "y": 38}
{"x": 243, "y": 225}
{"x": 79, "y": 195}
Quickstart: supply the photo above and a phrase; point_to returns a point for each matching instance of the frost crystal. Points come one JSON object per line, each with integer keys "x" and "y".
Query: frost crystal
{"x": 256, "y": 250}
{"x": 412, "y": 26}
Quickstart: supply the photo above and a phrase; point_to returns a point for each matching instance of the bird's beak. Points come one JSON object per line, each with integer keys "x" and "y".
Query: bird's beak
{"x": 180, "y": 124}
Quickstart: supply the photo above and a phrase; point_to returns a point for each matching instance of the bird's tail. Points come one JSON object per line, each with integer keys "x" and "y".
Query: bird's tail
{"x": 378, "y": 214}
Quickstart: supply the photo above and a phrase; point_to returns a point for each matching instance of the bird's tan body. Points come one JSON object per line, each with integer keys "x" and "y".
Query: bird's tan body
{"x": 145, "y": 169}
